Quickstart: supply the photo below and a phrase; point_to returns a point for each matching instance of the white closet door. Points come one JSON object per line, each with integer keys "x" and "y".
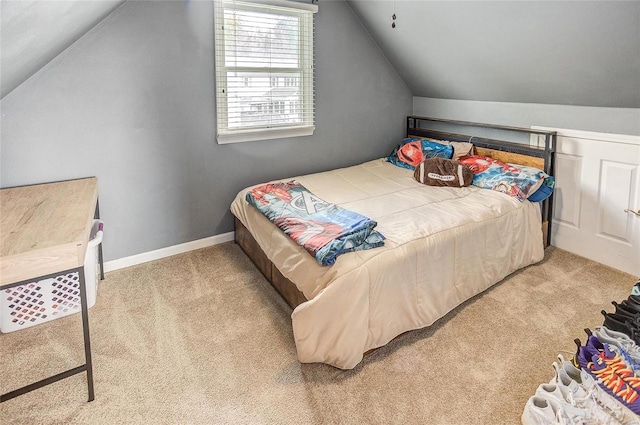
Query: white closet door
{"x": 598, "y": 178}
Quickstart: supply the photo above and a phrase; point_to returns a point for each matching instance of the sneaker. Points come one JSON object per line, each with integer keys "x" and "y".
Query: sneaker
{"x": 540, "y": 411}
{"x": 634, "y": 298}
{"x": 636, "y": 288}
{"x": 564, "y": 397}
{"x": 617, "y": 362}
{"x": 631, "y": 306}
{"x": 596, "y": 345}
{"x": 618, "y": 339}
{"x": 622, "y": 324}
{"x": 626, "y": 309}
{"x": 583, "y": 386}
{"x": 608, "y": 379}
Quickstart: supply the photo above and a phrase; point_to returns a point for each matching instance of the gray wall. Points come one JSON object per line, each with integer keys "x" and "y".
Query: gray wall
{"x": 132, "y": 102}
{"x": 586, "y": 118}
{"x": 583, "y": 53}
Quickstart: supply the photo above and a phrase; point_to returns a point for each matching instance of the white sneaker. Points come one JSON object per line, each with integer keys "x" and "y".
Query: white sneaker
{"x": 564, "y": 398}
{"x": 581, "y": 398}
{"x": 542, "y": 411}
{"x": 584, "y": 387}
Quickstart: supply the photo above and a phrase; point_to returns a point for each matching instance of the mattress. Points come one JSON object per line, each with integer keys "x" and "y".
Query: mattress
{"x": 443, "y": 246}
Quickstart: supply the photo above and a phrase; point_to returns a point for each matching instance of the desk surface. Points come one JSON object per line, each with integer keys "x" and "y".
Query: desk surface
{"x": 45, "y": 228}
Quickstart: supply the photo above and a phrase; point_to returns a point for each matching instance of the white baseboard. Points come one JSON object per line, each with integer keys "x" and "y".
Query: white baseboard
{"x": 145, "y": 257}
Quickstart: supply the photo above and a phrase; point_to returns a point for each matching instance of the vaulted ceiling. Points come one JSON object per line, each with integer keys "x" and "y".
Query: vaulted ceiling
{"x": 33, "y": 32}
{"x": 554, "y": 52}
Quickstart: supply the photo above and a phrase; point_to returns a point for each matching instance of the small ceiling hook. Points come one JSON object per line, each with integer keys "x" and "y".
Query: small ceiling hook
{"x": 393, "y": 17}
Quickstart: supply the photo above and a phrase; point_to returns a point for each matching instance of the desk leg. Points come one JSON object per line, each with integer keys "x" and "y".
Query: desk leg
{"x": 88, "y": 366}
{"x": 85, "y": 330}
{"x": 100, "y": 259}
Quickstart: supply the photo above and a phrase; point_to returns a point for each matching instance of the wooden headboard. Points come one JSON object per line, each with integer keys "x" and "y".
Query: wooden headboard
{"x": 541, "y": 155}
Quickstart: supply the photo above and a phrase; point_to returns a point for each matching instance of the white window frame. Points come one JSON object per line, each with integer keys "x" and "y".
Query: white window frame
{"x": 305, "y": 70}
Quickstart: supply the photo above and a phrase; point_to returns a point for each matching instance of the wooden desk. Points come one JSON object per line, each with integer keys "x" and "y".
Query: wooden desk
{"x": 44, "y": 232}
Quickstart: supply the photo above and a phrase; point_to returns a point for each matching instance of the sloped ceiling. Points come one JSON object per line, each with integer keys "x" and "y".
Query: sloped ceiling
{"x": 33, "y": 32}
{"x": 553, "y": 52}
{"x": 583, "y": 53}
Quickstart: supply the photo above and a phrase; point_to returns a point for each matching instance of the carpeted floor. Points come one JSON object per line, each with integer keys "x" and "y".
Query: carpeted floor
{"x": 201, "y": 338}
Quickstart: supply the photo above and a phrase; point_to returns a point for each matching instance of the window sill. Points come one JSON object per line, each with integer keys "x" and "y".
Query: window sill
{"x": 255, "y": 135}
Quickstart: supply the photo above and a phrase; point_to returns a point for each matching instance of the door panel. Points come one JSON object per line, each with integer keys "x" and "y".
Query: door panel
{"x": 597, "y": 179}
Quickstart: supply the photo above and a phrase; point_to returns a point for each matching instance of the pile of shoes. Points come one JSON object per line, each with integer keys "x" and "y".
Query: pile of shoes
{"x": 601, "y": 385}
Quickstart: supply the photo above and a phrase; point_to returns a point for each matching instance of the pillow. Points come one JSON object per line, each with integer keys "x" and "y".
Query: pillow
{"x": 544, "y": 191}
{"x": 518, "y": 181}
{"x": 460, "y": 149}
{"x": 412, "y": 151}
{"x": 443, "y": 172}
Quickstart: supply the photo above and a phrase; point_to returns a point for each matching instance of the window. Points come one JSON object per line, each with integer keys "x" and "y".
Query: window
{"x": 270, "y": 44}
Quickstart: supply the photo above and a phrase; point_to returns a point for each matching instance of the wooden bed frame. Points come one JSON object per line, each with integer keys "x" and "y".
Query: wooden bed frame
{"x": 517, "y": 153}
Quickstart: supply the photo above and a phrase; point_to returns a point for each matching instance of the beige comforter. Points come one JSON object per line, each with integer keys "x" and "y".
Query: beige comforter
{"x": 443, "y": 245}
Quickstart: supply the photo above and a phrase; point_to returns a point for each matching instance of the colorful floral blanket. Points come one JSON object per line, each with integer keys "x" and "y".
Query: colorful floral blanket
{"x": 324, "y": 229}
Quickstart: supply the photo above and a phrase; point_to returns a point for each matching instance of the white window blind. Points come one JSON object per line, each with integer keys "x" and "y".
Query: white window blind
{"x": 264, "y": 69}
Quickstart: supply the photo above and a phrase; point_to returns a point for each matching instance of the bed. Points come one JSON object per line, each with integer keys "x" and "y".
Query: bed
{"x": 443, "y": 246}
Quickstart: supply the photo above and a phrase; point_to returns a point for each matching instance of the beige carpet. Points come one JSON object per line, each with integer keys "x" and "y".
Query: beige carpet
{"x": 201, "y": 338}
